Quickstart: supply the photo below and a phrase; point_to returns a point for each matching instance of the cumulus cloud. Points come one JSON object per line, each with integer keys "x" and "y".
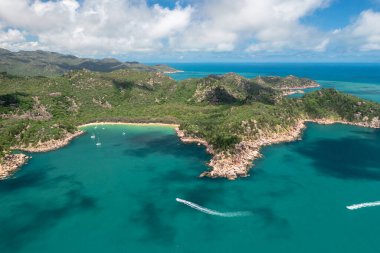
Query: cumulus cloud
{"x": 96, "y": 26}
{"x": 364, "y": 33}
{"x": 14, "y": 39}
{"x": 11, "y": 35}
{"x": 273, "y": 25}
{"x": 99, "y": 27}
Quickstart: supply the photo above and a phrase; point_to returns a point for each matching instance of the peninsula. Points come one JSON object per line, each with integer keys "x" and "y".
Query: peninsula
{"x": 231, "y": 115}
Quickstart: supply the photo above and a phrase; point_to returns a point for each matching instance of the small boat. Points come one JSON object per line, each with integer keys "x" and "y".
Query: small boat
{"x": 93, "y": 136}
{"x": 123, "y": 133}
{"x": 98, "y": 143}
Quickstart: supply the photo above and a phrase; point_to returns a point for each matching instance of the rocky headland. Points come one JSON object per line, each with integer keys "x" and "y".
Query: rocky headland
{"x": 238, "y": 162}
{"x": 11, "y": 162}
{"x": 231, "y": 115}
{"x": 50, "y": 145}
{"x": 227, "y": 164}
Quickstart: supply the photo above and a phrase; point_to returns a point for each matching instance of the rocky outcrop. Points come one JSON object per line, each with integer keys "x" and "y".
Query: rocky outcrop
{"x": 50, "y": 145}
{"x": 38, "y": 112}
{"x": 102, "y": 103}
{"x": 188, "y": 139}
{"x": 11, "y": 163}
{"x": 237, "y": 162}
{"x": 288, "y": 92}
{"x": 374, "y": 123}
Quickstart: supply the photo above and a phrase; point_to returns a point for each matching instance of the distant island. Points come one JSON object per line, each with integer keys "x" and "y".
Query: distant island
{"x": 233, "y": 116}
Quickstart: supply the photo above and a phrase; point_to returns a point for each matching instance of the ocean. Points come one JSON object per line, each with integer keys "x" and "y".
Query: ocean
{"x": 140, "y": 192}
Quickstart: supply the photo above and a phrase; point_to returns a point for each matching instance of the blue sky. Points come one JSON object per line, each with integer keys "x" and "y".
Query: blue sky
{"x": 340, "y": 13}
{"x": 196, "y": 30}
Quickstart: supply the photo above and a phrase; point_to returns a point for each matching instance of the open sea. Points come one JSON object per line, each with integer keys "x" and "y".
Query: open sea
{"x": 139, "y": 191}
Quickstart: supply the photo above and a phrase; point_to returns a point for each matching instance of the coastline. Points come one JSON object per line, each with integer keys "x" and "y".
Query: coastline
{"x": 238, "y": 164}
{"x": 173, "y": 72}
{"x": 222, "y": 164}
{"x": 128, "y": 124}
{"x": 302, "y": 87}
{"x": 298, "y": 89}
{"x": 11, "y": 163}
{"x": 49, "y": 145}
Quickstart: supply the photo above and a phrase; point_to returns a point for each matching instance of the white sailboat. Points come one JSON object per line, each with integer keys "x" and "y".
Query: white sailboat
{"x": 98, "y": 143}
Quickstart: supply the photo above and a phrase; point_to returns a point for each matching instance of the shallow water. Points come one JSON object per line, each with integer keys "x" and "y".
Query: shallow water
{"x": 121, "y": 196}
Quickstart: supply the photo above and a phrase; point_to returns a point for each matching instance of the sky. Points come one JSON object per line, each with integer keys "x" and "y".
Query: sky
{"x": 196, "y": 30}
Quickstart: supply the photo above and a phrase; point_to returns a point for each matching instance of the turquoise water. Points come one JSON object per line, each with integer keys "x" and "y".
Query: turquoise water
{"x": 357, "y": 79}
{"x": 121, "y": 196}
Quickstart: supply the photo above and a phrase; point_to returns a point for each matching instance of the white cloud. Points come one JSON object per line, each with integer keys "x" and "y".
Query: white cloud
{"x": 11, "y": 35}
{"x": 274, "y": 25}
{"x": 123, "y": 26}
{"x": 321, "y": 47}
{"x": 96, "y": 26}
{"x": 364, "y": 33}
{"x": 15, "y": 40}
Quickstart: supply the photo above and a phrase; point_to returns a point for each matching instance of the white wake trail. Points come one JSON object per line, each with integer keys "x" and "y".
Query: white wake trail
{"x": 213, "y": 212}
{"x": 362, "y": 205}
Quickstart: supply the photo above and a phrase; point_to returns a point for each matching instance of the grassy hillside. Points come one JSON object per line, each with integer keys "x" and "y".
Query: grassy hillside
{"x": 220, "y": 109}
{"x": 42, "y": 63}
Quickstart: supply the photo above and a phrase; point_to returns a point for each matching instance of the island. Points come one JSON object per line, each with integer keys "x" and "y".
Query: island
{"x": 233, "y": 116}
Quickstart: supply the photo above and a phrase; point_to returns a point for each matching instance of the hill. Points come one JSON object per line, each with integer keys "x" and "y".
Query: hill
{"x": 43, "y": 63}
{"x": 288, "y": 82}
{"x": 232, "y": 115}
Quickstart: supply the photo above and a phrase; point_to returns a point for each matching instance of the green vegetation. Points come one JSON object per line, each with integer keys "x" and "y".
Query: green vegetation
{"x": 42, "y": 63}
{"x": 289, "y": 82}
{"x": 223, "y": 110}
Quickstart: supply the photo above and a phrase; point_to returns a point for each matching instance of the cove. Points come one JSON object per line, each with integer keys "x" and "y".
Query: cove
{"x": 121, "y": 196}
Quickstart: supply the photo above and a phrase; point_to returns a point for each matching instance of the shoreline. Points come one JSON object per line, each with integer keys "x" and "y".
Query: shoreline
{"x": 222, "y": 164}
{"x": 102, "y": 123}
{"x": 225, "y": 165}
{"x": 173, "y": 72}
{"x": 297, "y": 90}
{"x": 11, "y": 163}
{"x": 51, "y": 145}
{"x": 302, "y": 87}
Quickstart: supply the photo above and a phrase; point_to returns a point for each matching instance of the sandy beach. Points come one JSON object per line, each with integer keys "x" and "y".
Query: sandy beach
{"x": 222, "y": 164}
{"x": 129, "y": 124}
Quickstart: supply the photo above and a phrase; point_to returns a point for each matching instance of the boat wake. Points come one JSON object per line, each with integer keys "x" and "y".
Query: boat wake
{"x": 363, "y": 205}
{"x": 213, "y": 212}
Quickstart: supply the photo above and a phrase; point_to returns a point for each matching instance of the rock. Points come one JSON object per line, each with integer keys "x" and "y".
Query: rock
{"x": 50, "y": 145}
{"x": 11, "y": 163}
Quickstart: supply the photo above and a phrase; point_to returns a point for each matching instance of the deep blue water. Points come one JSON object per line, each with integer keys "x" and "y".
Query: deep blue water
{"x": 121, "y": 196}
